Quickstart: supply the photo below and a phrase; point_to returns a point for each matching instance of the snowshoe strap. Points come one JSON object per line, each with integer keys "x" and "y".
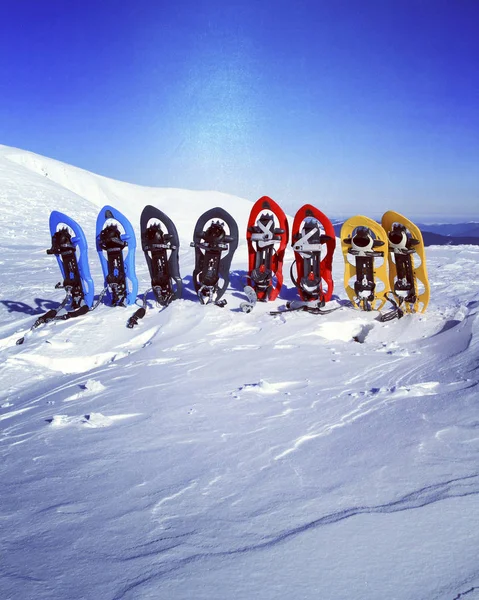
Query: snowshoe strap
{"x": 100, "y": 298}
{"x": 206, "y": 293}
{"x": 52, "y": 315}
{"x": 135, "y": 317}
{"x": 264, "y": 233}
{"x": 73, "y": 313}
{"x": 363, "y": 244}
{"x": 399, "y": 240}
{"x": 314, "y": 307}
{"x": 140, "y": 313}
{"x": 395, "y": 313}
{"x": 304, "y": 246}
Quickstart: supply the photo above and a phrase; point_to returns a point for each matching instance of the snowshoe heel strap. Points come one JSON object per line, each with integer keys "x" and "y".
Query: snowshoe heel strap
{"x": 133, "y": 320}
{"x": 74, "y": 313}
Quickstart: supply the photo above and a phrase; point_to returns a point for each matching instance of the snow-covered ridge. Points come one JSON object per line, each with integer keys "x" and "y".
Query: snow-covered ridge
{"x": 214, "y": 455}
{"x": 127, "y": 197}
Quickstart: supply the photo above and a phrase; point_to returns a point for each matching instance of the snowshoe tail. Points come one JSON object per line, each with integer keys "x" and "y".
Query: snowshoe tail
{"x": 160, "y": 243}
{"x": 314, "y": 241}
{"x": 71, "y": 250}
{"x": 215, "y": 239}
{"x": 267, "y": 235}
{"x": 407, "y": 263}
{"x": 364, "y": 247}
{"x": 116, "y": 244}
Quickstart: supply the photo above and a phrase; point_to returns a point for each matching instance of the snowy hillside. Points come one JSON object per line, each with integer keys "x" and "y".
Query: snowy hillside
{"x": 210, "y": 454}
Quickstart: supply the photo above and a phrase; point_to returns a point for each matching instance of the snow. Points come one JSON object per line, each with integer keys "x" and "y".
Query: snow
{"x": 212, "y": 454}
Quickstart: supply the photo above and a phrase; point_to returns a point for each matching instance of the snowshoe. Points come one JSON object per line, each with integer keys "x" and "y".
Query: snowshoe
{"x": 364, "y": 247}
{"x": 312, "y": 233}
{"x": 71, "y": 250}
{"x": 267, "y": 236}
{"x": 70, "y": 247}
{"x": 215, "y": 240}
{"x": 116, "y": 244}
{"x": 407, "y": 263}
{"x": 160, "y": 243}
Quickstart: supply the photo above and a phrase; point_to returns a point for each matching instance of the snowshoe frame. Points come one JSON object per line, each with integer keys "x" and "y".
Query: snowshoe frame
{"x": 214, "y": 250}
{"x": 311, "y": 267}
{"x": 265, "y": 261}
{"x": 120, "y": 280}
{"x": 365, "y": 242}
{"x": 160, "y": 243}
{"x": 72, "y": 257}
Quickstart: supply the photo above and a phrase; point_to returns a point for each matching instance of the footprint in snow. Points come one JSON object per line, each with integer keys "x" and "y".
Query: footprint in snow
{"x": 93, "y": 420}
{"x": 90, "y": 388}
{"x": 345, "y": 331}
{"x": 265, "y": 387}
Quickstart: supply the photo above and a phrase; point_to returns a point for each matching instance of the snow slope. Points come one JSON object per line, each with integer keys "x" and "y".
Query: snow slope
{"x": 209, "y": 454}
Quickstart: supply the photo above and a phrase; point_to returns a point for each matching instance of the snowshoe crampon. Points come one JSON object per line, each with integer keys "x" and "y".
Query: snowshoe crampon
{"x": 313, "y": 240}
{"x": 267, "y": 236}
{"x": 407, "y": 263}
{"x": 71, "y": 250}
{"x": 215, "y": 240}
{"x": 364, "y": 247}
{"x": 116, "y": 244}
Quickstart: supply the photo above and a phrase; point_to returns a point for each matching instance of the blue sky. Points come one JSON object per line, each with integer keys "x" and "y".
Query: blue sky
{"x": 356, "y": 106}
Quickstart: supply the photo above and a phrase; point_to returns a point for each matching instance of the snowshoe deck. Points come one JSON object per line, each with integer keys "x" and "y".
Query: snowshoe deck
{"x": 116, "y": 250}
{"x": 267, "y": 236}
{"x": 407, "y": 262}
{"x": 160, "y": 243}
{"x": 215, "y": 239}
{"x": 313, "y": 231}
{"x": 364, "y": 247}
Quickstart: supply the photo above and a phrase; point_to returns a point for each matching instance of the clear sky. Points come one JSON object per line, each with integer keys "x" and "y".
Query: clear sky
{"x": 356, "y": 106}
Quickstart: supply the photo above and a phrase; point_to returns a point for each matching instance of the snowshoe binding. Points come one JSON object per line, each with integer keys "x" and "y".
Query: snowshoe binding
{"x": 364, "y": 247}
{"x": 116, "y": 244}
{"x": 215, "y": 240}
{"x": 407, "y": 263}
{"x": 267, "y": 236}
{"x": 312, "y": 233}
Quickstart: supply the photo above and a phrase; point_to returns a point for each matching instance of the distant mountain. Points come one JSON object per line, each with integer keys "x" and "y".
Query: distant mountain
{"x": 435, "y": 239}
{"x": 470, "y": 229}
{"x": 452, "y": 234}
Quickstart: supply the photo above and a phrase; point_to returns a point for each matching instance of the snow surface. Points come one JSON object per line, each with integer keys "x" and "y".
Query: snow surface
{"x": 211, "y": 454}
